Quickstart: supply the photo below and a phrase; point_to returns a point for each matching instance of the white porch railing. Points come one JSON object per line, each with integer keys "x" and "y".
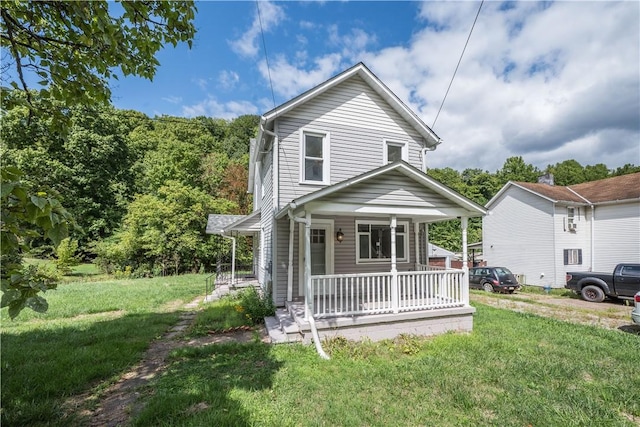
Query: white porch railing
{"x": 372, "y": 293}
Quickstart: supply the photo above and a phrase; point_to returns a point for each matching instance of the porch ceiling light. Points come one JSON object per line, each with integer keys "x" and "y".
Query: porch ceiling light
{"x": 340, "y": 235}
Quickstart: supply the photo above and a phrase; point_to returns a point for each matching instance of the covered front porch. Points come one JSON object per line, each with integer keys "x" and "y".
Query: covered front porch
{"x": 356, "y": 257}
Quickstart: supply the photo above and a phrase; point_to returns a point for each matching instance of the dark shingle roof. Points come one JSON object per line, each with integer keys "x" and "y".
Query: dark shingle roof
{"x": 624, "y": 187}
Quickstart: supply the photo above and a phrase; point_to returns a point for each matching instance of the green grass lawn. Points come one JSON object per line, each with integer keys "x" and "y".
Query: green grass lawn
{"x": 512, "y": 370}
{"x": 91, "y": 333}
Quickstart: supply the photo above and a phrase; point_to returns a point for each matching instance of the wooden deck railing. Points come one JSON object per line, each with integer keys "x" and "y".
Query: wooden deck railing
{"x": 372, "y": 293}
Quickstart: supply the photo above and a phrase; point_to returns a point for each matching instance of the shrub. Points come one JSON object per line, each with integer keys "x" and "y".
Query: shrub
{"x": 66, "y": 255}
{"x": 256, "y": 306}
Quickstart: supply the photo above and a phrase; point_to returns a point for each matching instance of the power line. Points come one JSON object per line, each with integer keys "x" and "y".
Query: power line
{"x": 459, "y": 60}
{"x": 266, "y": 57}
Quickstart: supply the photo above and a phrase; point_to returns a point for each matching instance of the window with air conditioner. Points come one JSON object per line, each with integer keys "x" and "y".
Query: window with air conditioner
{"x": 571, "y": 219}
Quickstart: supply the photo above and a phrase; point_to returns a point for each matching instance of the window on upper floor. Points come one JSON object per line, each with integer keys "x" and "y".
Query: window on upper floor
{"x": 572, "y": 217}
{"x": 572, "y": 256}
{"x": 314, "y": 157}
{"x": 394, "y": 150}
{"x": 374, "y": 241}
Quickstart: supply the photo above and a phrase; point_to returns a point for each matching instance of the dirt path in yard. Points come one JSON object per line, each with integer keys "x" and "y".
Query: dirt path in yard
{"x": 120, "y": 402}
{"x": 608, "y": 314}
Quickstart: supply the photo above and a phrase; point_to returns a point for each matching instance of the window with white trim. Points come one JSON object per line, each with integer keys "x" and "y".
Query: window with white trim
{"x": 314, "y": 157}
{"x": 374, "y": 241}
{"x": 394, "y": 151}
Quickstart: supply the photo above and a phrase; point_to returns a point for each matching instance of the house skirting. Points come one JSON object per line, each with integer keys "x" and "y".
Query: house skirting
{"x": 387, "y": 326}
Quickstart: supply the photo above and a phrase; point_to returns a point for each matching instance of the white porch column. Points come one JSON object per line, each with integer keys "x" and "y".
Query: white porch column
{"x": 426, "y": 243}
{"x": 416, "y": 240}
{"x": 308, "y": 297}
{"x": 394, "y": 270}
{"x": 465, "y": 265}
{"x": 290, "y": 266}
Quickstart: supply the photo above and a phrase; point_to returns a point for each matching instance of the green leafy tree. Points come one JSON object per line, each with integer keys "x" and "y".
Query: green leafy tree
{"x": 164, "y": 233}
{"x": 569, "y": 172}
{"x": 26, "y": 213}
{"x": 66, "y": 255}
{"x": 90, "y": 167}
{"x": 596, "y": 172}
{"x": 75, "y": 48}
{"x": 515, "y": 169}
{"x": 626, "y": 169}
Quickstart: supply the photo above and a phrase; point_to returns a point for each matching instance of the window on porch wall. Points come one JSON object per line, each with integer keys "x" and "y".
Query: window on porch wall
{"x": 374, "y": 241}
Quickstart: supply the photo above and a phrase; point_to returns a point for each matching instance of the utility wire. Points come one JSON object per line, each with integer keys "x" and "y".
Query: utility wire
{"x": 266, "y": 57}
{"x": 459, "y": 60}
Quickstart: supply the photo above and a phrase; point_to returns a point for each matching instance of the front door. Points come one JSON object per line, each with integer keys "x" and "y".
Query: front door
{"x": 321, "y": 250}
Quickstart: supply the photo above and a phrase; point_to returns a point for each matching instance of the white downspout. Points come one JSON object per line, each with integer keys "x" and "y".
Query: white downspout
{"x": 423, "y": 154}
{"x": 307, "y": 280}
{"x": 593, "y": 238}
{"x": 290, "y": 267}
{"x": 233, "y": 258}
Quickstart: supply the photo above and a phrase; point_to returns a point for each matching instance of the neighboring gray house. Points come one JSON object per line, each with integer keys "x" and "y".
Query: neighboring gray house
{"x": 343, "y": 206}
{"x": 542, "y": 231}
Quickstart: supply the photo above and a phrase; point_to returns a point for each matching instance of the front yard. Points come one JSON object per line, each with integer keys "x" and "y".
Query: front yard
{"x": 514, "y": 369}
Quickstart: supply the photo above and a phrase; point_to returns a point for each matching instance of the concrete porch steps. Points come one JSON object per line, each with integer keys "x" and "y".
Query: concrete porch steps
{"x": 282, "y": 328}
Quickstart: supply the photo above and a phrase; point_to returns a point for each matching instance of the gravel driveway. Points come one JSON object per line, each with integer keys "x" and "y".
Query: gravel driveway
{"x": 608, "y": 314}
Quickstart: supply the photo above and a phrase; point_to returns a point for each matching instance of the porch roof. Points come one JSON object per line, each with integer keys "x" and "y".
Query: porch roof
{"x": 223, "y": 224}
{"x": 396, "y": 188}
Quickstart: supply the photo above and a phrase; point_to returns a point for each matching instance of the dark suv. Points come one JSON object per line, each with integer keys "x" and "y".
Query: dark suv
{"x": 493, "y": 279}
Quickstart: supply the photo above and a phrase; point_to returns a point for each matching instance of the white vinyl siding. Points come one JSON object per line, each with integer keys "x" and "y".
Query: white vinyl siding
{"x": 518, "y": 234}
{"x": 358, "y": 120}
{"x": 266, "y": 222}
{"x": 617, "y": 235}
{"x": 392, "y": 189}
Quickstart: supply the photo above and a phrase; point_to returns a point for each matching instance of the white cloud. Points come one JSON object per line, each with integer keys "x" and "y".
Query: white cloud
{"x": 545, "y": 81}
{"x": 212, "y": 108}
{"x": 290, "y": 79}
{"x": 173, "y": 99}
{"x": 270, "y": 16}
{"x": 201, "y": 83}
{"x": 228, "y": 79}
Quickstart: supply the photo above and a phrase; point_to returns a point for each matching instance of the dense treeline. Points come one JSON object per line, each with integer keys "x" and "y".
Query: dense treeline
{"x": 140, "y": 188}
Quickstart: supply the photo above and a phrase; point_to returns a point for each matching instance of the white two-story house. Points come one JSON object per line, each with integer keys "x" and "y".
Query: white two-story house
{"x": 540, "y": 230}
{"x": 341, "y": 212}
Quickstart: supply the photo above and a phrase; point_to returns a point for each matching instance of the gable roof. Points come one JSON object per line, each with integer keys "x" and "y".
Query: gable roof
{"x": 403, "y": 168}
{"x": 431, "y": 139}
{"x": 602, "y": 191}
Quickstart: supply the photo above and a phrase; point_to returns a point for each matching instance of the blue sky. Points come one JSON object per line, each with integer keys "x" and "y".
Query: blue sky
{"x": 548, "y": 81}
